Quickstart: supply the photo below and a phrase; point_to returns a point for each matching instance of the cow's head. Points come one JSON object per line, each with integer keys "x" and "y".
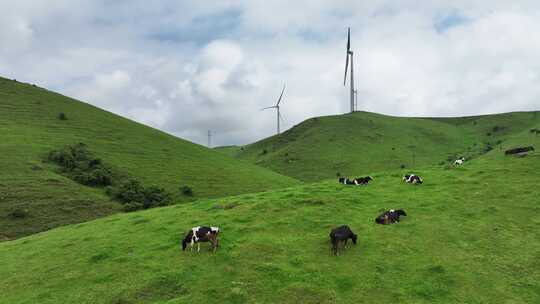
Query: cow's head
{"x": 401, "y": 212}
{"x": 184, "y": 245}
{"x": 353, "y": 238}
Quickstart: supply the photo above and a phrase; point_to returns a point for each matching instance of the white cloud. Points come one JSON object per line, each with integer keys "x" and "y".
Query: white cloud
{"x": 189, "y": 66}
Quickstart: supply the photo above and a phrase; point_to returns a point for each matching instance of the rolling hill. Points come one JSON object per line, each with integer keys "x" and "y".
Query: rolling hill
{"x": 30, "y": 127}
{"x": 361, "y": 143}
{"x": 471, "y": 236}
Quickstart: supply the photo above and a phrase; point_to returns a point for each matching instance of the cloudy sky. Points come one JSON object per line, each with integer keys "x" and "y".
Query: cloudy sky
{"x": 188, "y": 66}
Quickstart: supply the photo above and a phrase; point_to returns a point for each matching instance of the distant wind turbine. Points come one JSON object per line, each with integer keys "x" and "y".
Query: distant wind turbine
{"x": 350, "y": 53}
{"x": 277, "y": 108}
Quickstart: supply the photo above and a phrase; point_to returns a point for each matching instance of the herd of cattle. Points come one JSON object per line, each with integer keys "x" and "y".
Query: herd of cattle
{"x": 338, "y": 236}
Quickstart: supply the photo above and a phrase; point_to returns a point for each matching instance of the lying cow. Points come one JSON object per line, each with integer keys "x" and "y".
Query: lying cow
{"x": 341, "y": 235}
{"x": 459, "y": 161}
{"x": 201, "y": 234}
{"x": 346, "y": 181}
{"x": 412, "y": 179}
{"x": 363, "y": 180}
{"x": 355, "y": 181}
{"x": 389, "y": 217}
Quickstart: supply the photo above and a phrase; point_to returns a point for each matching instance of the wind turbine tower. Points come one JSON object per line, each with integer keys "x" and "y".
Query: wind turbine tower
{"x": 278, "y": 117}
{"x": 350, "y": 54}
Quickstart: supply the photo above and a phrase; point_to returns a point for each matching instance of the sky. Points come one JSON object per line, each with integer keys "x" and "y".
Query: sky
{"x": 186, "y": 67}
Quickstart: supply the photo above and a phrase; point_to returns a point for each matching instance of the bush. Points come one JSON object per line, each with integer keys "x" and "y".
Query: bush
{"x": 132, "y": 206}
{"x": 129, "y": 191}
{"x": 132, "y": 192}
{"x": 19, "y": 213}
{"x": 81, "y": 166}
{"x": 186, "y": 190}
{"x": 62, "y": 116}
{"x": 264, "y": 151}
{"x": 402, "y": 166}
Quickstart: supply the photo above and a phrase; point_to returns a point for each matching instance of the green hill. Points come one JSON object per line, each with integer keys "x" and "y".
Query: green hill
{"x": 30, "y": 127}
{"x": 362, "y": 143}
{"x": 471, "y": 236}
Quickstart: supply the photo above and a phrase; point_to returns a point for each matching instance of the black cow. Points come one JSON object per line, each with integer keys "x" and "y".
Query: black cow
{"x": 341, "y": 235}
{"x": 201, "y": 234}
{"x": 389, "y": 217}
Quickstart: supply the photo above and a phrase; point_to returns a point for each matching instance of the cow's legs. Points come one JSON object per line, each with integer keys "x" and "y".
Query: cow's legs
{"x": 198, "y": 247}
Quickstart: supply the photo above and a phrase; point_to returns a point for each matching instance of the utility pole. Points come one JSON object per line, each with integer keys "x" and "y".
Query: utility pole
{"x": 209, "y": 139}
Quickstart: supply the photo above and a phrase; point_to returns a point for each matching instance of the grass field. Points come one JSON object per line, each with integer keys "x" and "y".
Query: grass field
{"x": 30, "y": 128}
{"x": 353, "y": 144}
{"x": 472, "y": 236}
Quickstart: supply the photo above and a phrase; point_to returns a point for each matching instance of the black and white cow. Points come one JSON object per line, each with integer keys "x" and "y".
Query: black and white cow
{"x": 341, "y": 235}
{"x": 201, "y": 234}
{"x": 459, "y": 161}
{"x": 355, "y": 181}
{"x": 389, "y": 217}
{"x": 412, "y": 179}
{"x": 346, "y": 181}
{"x": 363, "y": 180}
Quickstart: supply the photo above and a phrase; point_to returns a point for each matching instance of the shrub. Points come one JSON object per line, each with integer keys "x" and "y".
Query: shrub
{"x": 402, "y": 166}
{"x": 338, "y": 174}
{"x": 62, "y": 116}
{"x": 154, "y": 196}
{"x": 133, "y": 193}
{"x": 129, "y": 191}
{"x": 81, "y": 166}
{"x": 264, "y": 151}
{"x": 19, "y": 213}
{"x": 132, "y": 206}
{"x": 186, "y": 190}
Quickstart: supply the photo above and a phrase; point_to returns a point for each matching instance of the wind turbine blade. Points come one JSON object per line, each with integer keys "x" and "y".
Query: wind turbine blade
{"x": 279, "y": 100}
{"x": 348, "y": 40}
{"x": 348, "y": 49}
{"x": 268, "y": 108}
{"x": 346, "y": 67}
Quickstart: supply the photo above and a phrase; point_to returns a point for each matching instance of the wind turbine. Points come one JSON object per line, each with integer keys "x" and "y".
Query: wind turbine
{"x": 349, "y": 53}
{"x": 277, "y": 108}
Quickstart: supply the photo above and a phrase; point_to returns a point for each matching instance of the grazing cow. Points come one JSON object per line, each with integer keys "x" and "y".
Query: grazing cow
{"x": 459, "y": 161}
{"x": 201, "y": 234}
{"x": 389, "y": 217}
{"x": 363, "y": 180}
{"x": 412, "y": 179}
{"x": 341, "y": 235}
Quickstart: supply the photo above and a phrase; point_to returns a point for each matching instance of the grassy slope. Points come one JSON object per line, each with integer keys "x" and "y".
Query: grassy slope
{"x": 232, "y": 151}
{"x": 360, "y": 143}
{"x": 472, "y": 236}
{"x": 30, "y": 129}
